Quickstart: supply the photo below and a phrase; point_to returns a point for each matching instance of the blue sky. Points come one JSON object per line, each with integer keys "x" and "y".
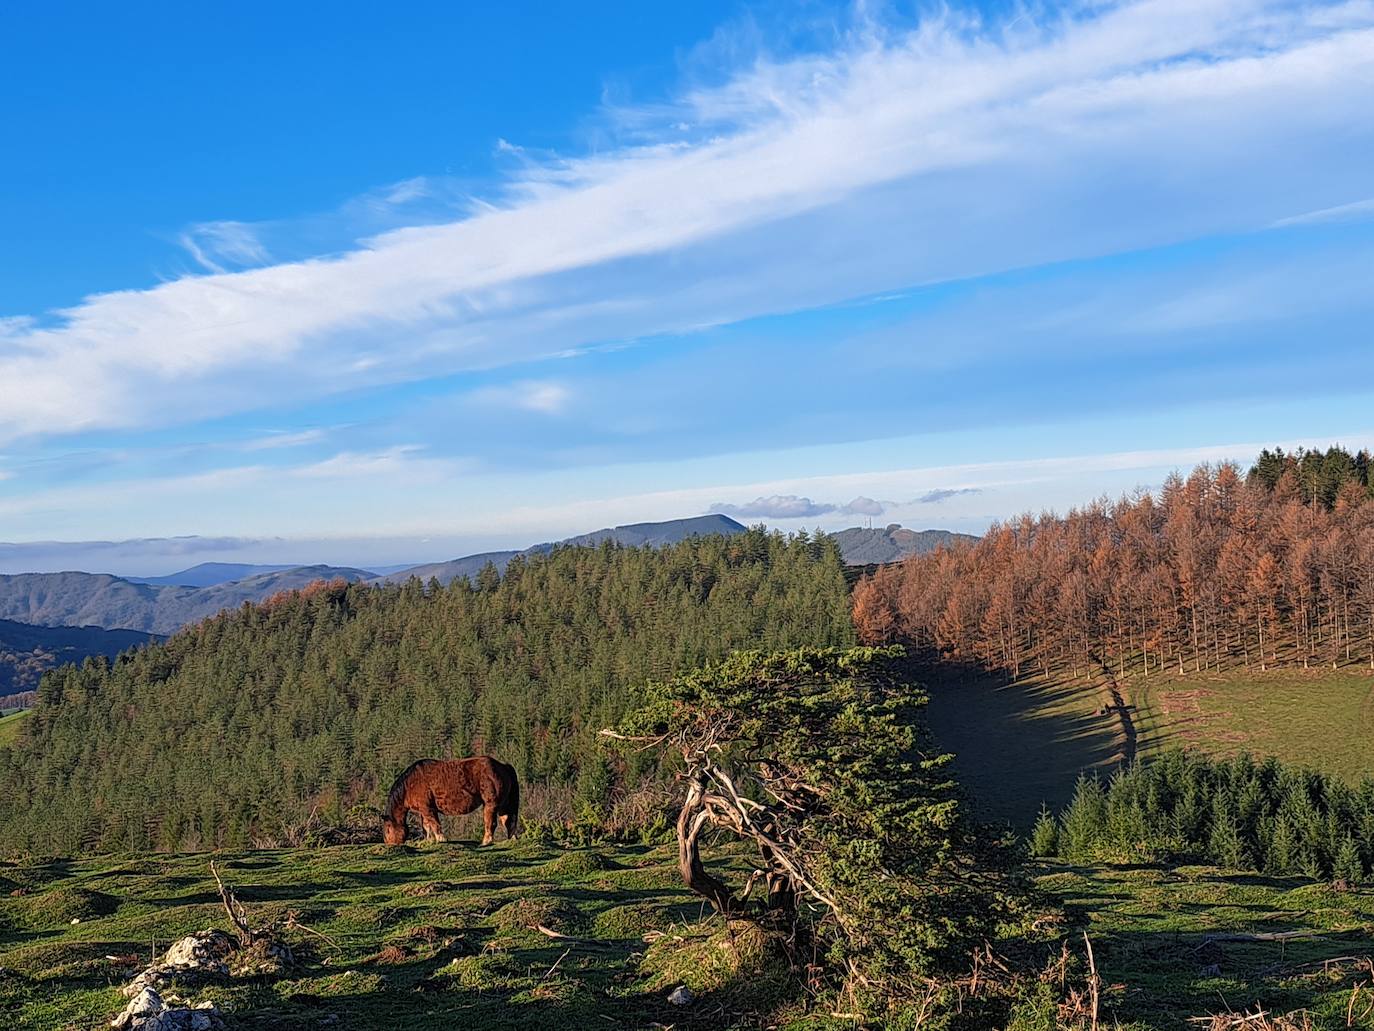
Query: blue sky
{"x": 288, "y": 285}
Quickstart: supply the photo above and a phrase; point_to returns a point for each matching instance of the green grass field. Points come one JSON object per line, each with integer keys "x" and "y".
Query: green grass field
{"x": 9, "y": 727}
{"x": 1321, "y": 718}
{"x": 441, "y": 937}
{"x": 1020, "y": 745}
{"x": 415, "y": 937}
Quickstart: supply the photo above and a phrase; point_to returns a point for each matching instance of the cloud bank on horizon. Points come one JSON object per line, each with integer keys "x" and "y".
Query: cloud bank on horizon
{"x": 961, "y": 234}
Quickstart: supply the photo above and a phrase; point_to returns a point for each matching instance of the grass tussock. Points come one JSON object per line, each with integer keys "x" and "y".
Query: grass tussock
{"x": 739, "y": 958}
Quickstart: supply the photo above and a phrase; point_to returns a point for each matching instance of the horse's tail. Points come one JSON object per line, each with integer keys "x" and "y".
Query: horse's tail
{"x": 510, "y": 807}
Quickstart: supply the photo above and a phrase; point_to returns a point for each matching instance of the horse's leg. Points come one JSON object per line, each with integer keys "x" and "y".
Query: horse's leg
{"x": 504, "y": 820}
{"x": 488, "y": 821}
{"x": 434, "y": 830}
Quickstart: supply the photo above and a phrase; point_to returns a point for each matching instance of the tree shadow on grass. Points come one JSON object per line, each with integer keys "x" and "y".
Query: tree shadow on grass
{"x": 1016, "y": 745}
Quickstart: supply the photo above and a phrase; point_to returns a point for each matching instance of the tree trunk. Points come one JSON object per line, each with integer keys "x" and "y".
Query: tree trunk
{"x": 690, "y": 823}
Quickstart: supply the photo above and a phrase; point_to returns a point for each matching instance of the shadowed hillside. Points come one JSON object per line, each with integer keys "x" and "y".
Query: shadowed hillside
{"x": 862, "y": 546}
{"x": 27, "y": 651}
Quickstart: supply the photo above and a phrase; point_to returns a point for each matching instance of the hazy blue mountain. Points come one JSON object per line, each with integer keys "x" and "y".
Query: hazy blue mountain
{"x": 862, "y": 546}
{"x": 102, "y": 600}
{"x": 26, "y": 651}
{"x": 631, "y": 535}
{"x": 207, "y": 574}
{"x": 394, "y": 567}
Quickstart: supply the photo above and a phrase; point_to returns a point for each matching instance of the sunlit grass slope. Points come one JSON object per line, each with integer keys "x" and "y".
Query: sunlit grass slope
{"x": 1321, "y": 717}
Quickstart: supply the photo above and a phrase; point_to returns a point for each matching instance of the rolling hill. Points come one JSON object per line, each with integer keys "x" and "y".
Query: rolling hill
{"x": 164, "y": 604}
{"x": 101, "y": 600}
{"x": 863, "y": 546}
{"x": 207, "y": 574}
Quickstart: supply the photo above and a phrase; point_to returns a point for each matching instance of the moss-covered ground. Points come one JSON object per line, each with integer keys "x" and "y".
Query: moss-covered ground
{"x": 430, "y": 936}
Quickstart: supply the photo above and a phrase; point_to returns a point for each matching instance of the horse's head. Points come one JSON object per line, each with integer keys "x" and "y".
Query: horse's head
{"x": 393, "y": 831}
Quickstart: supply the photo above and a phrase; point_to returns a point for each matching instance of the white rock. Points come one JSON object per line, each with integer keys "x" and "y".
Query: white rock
{"x": 76, "y": 920}
{"x": 143, "y": 1009}
{"x": 682, "y": 996}
{"x": 146, "y": 1002}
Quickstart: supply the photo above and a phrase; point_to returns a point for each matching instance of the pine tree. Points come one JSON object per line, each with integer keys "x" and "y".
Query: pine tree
{"x": 1045, "y": 836}
{"x": 1347, "y": 866}
{"x": 1085, "y": 820}
{"x": 1224, "y": 845}
{"x": 1280, "y": 855}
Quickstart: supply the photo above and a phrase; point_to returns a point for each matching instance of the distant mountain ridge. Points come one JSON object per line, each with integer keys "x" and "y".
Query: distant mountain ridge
{"x": 631, "y": 535}
{"x": 27, "y": 651}
{"x": 207, "y": 574}
{"x": 862, "y": 546}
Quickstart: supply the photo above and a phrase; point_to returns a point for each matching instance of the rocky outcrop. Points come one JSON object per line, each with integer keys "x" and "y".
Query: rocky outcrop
{"x": 196, "y": 959}
{"x": 147, "y": 1011}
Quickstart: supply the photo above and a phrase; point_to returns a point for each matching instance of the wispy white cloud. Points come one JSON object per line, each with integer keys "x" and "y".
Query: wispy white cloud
{"x": 283, "y": 439}
{"x": 1352, "y": 212}
{"x": 934, "y": 497}
{"x": 950, "y": 150}
{"x": 218, "y": 246}
{"x": 863, "y": 506}
{"x": 776, "y": 506}
{"x": 546, "y": 397}
{"x": 792, "y": 506}
{"x": 403, "y": 460}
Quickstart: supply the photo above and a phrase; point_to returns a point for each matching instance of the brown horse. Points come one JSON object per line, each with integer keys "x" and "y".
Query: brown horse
{"x": 434, "y": 786}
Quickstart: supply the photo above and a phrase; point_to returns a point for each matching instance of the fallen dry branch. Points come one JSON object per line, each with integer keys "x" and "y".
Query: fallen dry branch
{"x": 1281, "y": 970}
{"x": 1299, "y": 1020}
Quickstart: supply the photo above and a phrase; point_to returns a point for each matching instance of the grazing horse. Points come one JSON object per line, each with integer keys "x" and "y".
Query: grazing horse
{"x": 434, "y": 786}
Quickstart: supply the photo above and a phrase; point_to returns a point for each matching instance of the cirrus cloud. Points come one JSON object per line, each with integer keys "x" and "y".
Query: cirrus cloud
{"x": 800, "y": 181}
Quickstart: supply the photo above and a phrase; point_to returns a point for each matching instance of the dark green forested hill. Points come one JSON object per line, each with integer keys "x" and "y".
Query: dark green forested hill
{"x": 243, "y": 724}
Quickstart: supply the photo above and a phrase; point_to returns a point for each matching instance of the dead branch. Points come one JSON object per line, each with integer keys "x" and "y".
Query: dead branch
{"x": 293, "y": 921}
{"x": 1094, "y": 982}
{"x": 238, "y": 916}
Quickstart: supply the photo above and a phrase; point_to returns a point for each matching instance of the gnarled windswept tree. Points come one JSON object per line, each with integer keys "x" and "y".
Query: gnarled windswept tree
{"x": 816, "y": 757}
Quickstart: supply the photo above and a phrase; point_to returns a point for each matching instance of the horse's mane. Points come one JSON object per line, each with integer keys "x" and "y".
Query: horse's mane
{"x": 398, "y": 790}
